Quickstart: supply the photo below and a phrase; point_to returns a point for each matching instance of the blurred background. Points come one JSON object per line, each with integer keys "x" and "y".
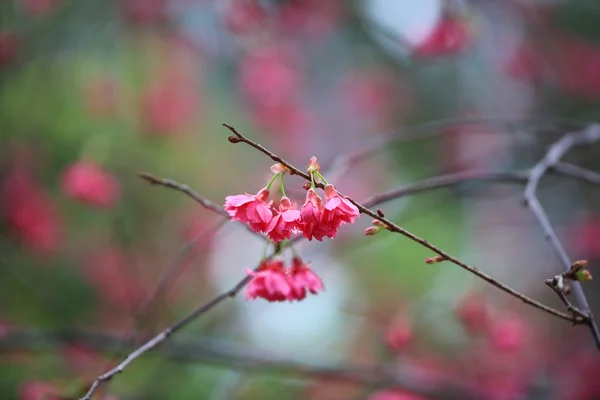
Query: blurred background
{"x": 93, "y": 260}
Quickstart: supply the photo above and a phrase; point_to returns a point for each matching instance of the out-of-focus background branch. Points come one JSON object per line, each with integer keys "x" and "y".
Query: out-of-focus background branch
{"x": 93, "y": 92}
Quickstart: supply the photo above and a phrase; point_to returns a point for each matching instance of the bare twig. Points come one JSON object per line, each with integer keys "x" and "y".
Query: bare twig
{"x": 395, "y": 228}
{"x": 553, "y": 156}
{"x": 445, "y": 181}
{"x": 206, "y": 203}
{"x": 232, "y": 355}
{"x": 576, "y": 172}
{"x": 163, "y": 335}
{"x": 171, "y": 272}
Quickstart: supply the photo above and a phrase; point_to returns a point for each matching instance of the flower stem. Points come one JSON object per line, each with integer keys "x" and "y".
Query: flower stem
{"x": 272, "y": 180}
{"x": 322, "y": 177}
{"x": 312, "y": 180}
{"x": 281, "y": 188}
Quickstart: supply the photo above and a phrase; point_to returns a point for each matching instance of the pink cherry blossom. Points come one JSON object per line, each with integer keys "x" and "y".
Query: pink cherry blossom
{"x": 10, "y": 44}
{"x": 31, "y": 213}
{"x": 251, "y": 209}
{"x": 35, "y": 390}
{"x": 508, "y": 334}
{"x": 244, "y": 16}
{"x": 285, "y": 223}
{"x": 304, "y": 279}
{"x": 311, "y": 215}
{"x": 39, "y": 7}
{"x": 338, "y": 210}
{"x": 89, "y": 183}
{"x": 399, "y": 335}
{"x": 450, "y": 36}
{"x": 394, "y": 395}
{"x": 270, "y": 282}
{"x": 140, "y": 12}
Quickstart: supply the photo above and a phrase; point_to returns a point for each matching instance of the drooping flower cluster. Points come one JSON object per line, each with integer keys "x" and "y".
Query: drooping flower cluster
{"x": 273, "y": 281}
{"x": 316, "y": 219}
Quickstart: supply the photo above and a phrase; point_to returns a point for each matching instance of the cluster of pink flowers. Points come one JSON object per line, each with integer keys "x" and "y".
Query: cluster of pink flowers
{"x": 273, "y": 281}
{"x": 315, "y": 219}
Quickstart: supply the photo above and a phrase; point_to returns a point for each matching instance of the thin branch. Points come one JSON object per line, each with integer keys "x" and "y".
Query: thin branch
{"x": 163, "y": 335}
{"x": 553, "y": 156}
{"x": 395, "y": 228}
{"x": 445, "y": 181}
{"x": 576, "y": 172}
{"x": 206, "y": 203}
{"x": 433, "y": 129}
{"x": 171, "y": 272}
{"x": 232, "y": 355}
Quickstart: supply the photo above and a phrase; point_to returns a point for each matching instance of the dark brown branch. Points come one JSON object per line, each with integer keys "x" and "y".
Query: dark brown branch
{"x": 553, "y": 156}
{"x": 206, "y": 203}
{"x": 395, "y": 228}
{"x": 232, "y": 355}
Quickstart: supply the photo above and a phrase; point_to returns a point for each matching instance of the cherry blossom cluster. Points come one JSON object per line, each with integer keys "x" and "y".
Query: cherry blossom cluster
{"x": 317, "y": 218}
{"x": 273, "y": 281}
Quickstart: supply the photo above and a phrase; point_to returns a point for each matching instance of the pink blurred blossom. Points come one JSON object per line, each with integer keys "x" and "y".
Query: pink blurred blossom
{"x": 39, "y": 7}
{"x": 87, "y": 182}
{"x": 244, "y": 16}
{"x": 10, "y": 44}
{"x": 473, "y": 312}
{"x": 142, "y": 12}
{"x": 399, "y": 335}
{"x": 451, "y": 36}
{"x": 395, "y": 395}
{"x": 316, "y": 18}
{"x": 169, "y": 106}
{"x": 268, "y": 76}
{"x": 36, "y": 390}
{"x": 508, "y": 334}
{"x": 110, "y": 272}
{"x": 31, "y": 213}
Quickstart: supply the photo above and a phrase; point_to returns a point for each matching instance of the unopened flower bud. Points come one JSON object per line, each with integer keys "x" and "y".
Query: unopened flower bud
{"x": 583, "y": 275}
{"x": 278, "y": 168}
{"x": 372, "y": 230}
{"x": 314, "y": 165}
{"x": 233, "y": 139}
{"x": 579, "y": 264}
{"x": 378, "y": 223}
{"x": 433, "y": 260}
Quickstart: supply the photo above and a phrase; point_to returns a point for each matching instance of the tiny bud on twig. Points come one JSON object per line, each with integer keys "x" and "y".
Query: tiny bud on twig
{"x": 434, "y": 260}
{"x": 380, "y": 213}
{"x": 577, "y": 265}
{"x": 583, "y": 275}
{"x": 233, "y": 139}
{"x": 372, "y": 230}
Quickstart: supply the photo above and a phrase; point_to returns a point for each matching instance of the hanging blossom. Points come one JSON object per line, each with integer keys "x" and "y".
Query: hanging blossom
{"x": 270, "y": 282}
{"x": 304, "y": 279}
{"x": 251, "y": 209}
{"x": 285, "y": 223}
{"x": 338, "y": 210}
{"x": 275, "y": 282}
